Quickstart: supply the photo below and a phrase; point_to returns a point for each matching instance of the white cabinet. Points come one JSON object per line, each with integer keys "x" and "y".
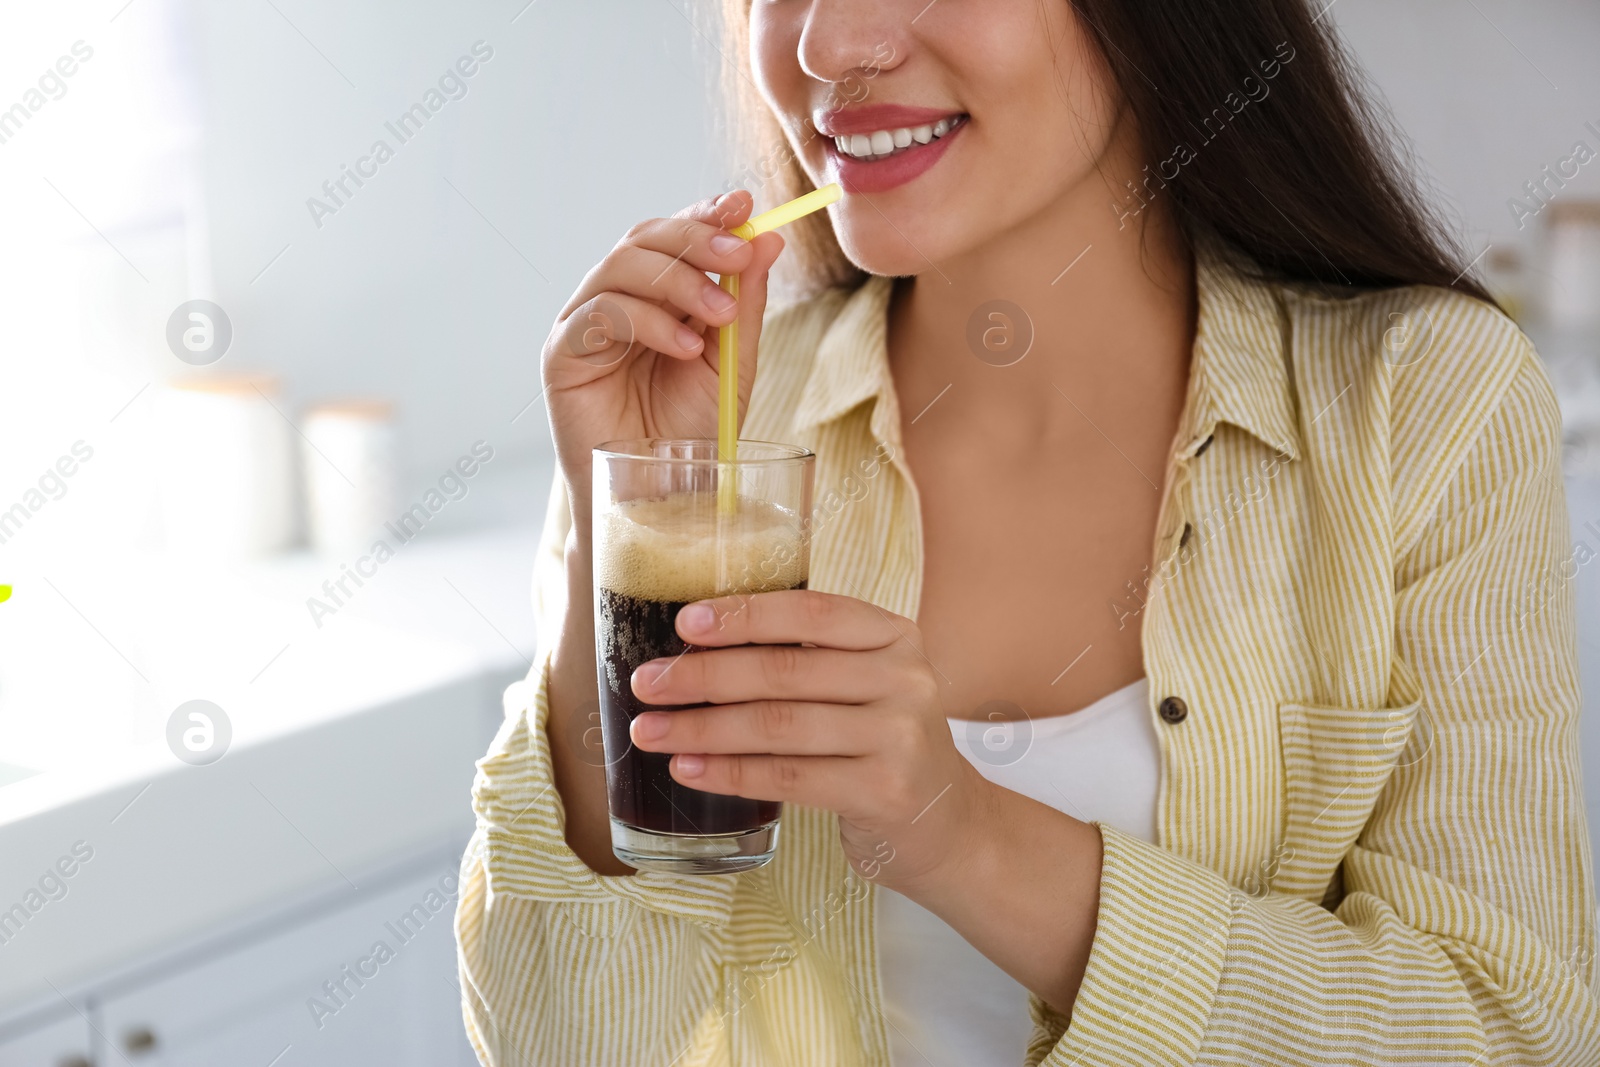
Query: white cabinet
{"x": 362, "y": 977}
{"x": 373, "y": 982}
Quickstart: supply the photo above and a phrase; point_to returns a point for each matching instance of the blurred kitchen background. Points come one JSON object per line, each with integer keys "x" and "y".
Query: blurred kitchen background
{"x": 235, "y": 745}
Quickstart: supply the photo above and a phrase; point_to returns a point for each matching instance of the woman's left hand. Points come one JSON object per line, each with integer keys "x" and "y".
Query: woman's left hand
{"x": 850, "y": 721}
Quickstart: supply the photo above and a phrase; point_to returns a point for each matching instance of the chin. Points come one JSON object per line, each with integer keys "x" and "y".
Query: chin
{"x": 891, "y": 259}
{"x": 880, "y": 248}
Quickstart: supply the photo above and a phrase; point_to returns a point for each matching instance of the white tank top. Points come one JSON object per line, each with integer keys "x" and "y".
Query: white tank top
{"x": 946, "y": 1004}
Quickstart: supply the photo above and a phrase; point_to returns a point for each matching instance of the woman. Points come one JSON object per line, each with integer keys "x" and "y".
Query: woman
{"x": 1181, "y": 679}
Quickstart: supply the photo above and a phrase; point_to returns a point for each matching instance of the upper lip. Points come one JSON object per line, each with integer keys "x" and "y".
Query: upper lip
{"x": 869, "y": 118}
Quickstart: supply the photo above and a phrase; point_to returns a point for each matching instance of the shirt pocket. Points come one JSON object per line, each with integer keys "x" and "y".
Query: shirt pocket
{"x": 1336, "y": 761}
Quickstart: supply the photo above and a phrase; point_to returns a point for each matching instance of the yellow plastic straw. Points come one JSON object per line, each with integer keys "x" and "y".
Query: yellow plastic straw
{"x": 783, "y": 214}
{"x": 728, "y": 336}
{"x": 728, "y": 378}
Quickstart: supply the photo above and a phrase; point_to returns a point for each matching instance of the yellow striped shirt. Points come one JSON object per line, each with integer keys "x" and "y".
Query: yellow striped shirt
{"x": 1372, "y": 845}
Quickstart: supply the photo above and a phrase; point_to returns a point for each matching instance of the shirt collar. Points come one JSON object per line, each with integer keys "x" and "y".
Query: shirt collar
{"x": 1239, "y": 374}
{"x": 852, "y": 361}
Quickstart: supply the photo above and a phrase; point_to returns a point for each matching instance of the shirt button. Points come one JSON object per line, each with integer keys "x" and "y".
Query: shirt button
{"x": 1172, "y": 710}
{"x": 1203, "y": 446}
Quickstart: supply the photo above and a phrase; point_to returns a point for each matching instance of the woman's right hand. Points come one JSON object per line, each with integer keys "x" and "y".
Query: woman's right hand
{"x": 634, "y": 352}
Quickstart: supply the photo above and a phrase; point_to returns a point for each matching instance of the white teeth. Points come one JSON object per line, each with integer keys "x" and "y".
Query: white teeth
{"x": 880, "y": 143}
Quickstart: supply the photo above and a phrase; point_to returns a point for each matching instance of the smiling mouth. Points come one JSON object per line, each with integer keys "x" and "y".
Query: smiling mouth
{"x": 885, "y": 144}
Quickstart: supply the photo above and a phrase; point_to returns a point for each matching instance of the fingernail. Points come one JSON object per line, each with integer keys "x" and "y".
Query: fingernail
{"x": 718, "y": 300}
{"x": 697, "y": 618}
{"x": 726, "y": 199}
{"x": 725, "y": 243}
{"x": 647, "y": 675}
{"x": 689, "y": 339}
{"x": 651, "y": 726}
{"x": 688, "y": 766}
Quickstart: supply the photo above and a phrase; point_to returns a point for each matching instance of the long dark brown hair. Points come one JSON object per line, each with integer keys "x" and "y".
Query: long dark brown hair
{"x": 1254, "y": 121}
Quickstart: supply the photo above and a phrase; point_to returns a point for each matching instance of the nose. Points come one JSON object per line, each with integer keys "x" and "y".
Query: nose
{"x": 845, "y": 40}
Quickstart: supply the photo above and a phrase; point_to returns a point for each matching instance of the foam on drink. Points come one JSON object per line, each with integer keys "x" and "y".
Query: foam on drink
{"x": 678, "y": 548}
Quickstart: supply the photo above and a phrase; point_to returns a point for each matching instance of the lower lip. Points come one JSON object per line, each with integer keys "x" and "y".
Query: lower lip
{"x": 878, "y": 176}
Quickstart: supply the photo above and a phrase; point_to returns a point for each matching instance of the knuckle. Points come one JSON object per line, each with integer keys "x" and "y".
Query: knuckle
{"x": 593, "y": 326}
{"x": 786, "y": 773}
{"x": 898, "y": 795}
{"x": 609, "y": 270}
{"x": 683, "y": 280}
{"x": 689, "y": 232}
{"x": 906, "y": 734}
{"x": 781, "y": 665}
{"x": 776, "y": 719}
{"x": 575, "y": 318}
{"x": 901, "y": 627}
{"x": 697, "y": 209}
{"x": 818, "y": 608}
{"x": 735, "y": 772}
{"x": 609, "y": 311}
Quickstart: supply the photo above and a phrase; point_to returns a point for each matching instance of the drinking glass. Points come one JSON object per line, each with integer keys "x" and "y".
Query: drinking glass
{"x": 674, "y": 524}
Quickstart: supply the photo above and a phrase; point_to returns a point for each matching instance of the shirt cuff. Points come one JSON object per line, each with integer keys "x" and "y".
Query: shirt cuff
{"x": 522, "y": 830}
{"x": 1160, "y": 939}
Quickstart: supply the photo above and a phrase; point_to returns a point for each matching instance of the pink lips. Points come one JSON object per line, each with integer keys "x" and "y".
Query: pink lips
{"x": 860, "y": 176}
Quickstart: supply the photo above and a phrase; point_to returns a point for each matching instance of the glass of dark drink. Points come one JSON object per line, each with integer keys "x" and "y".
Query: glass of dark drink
{"x": 674, "y": 524}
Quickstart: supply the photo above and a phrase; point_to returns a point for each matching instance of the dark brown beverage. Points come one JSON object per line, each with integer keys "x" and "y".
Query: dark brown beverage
{"x": 642, "y": 793}
{"x": 652, "y": 557}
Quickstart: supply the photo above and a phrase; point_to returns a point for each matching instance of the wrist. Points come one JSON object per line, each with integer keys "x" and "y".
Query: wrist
{"x": 979, "y": 841}
{"x": 1003, "y": 838}
{"x": 1022, "y": 885}
{"x": 579, "y": 502}
{"x": 960, "y": 841}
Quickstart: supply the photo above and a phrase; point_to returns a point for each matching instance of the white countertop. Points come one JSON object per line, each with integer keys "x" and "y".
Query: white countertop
{"x": 353, "y": 742}
{"x": 96, "y": 657}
